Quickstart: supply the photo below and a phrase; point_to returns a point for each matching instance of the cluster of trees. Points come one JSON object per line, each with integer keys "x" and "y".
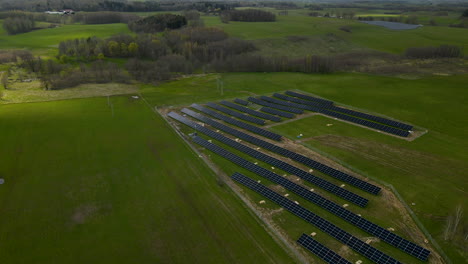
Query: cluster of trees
{"x": 198, "y": 44}
{"x": 104, "y": 17}
{"x": 18, "y": 24}
{"x": 7, "y": 56}
{"x": 442, "y": 51}
{"x": 116, "y": 5}
{"x": 247, "y": 15}
{"x": 157, "y": 23}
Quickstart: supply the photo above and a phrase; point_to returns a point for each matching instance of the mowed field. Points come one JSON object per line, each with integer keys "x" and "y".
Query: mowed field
{"x": 45, "y": 41}
{"x": 429, "y": 171}
{"x": 83, "y": 185}
{"x": 362, "y": 35}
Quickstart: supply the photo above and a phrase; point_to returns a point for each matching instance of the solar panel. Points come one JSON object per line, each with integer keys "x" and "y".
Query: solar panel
{"x": 287, "y": 153}
{"x": 342, "y": 116}
{"x": 364, "y": 224}
{"x": 324, "y": 184}
{"x": 251, "y": 112}
{"x": 382, "y": 120}
{"x": 238, "y": 123}
{"x": 321, "y": 251}
{"x": 277, "y": 112}
{"x": 310, "y": 98}
{"x": 327, "y": 227}
{"x": 237, "y": 114}
{"x": 240, "y": 101}
{"x": 276, "y": 106}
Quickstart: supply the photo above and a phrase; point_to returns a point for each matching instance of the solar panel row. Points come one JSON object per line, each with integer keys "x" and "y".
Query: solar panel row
{"x": 238, "y": 123}
{"x": 345, "y": 214}
{"x": 277, "y": 112}
{"x": 240, "y": 101}
{"x": 250, "y": 111}
{"x": 352, "y": 119}
{"x": 321, "y": 251}
{"x": 327, "y": 227}
{"x": 287, "y": 153}
{"x": 280, "y": 107}
{"x": 310, "y": 98}
{"x": 326, "y": 185}
{"x": 348, "y": 112}
{"x": 237, "y": 114}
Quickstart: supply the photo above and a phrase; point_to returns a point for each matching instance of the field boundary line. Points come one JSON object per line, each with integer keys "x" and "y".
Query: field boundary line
{"x": 267, "y": 225}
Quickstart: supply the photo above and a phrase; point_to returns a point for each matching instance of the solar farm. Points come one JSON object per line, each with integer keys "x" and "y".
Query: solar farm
{"x": 325, "y": 211}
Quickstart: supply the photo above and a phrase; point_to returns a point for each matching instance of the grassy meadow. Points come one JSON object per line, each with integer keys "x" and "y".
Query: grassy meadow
{"x": 82, "y": 184}
{"x": 428, "y": 171}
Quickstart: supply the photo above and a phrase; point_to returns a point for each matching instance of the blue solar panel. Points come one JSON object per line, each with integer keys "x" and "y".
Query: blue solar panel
{"x": 321, "y": 251}
{"x": 238, "y": 123}
{"x": 240, "y": 101}
{"x": 251, "y": 112}
{"x": 287, "y": 153}
{"x": 276, "y": 106}
{"x": 345, "y": 214}
{"x": 327, "y": 227}
{"x": 237, "y": 114}
{"x": 277, "y": 112}
{"x": 348, "y": 112}
{"x": 310, "y": 98}
{"x": 342, "y": 116}
{"x": 326, "y": 185}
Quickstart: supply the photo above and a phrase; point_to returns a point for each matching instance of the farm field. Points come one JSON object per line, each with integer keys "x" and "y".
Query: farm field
{"x": 419, "y": 170}
{"x": 366, "y": 36}
{"x": 85, "y": 185}
{"x": 45, "y": 41}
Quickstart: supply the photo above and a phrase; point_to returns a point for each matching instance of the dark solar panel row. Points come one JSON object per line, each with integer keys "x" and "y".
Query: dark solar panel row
{"x": 324, "y": 184}
{"x": 327, "y": 227}
{"x": 310, "y": 98}
{"x": 364, "y": 224}
{"x": 240, "y": 101}
{"x": 277, "y": 112}
{"x": 356, "y": 120}
{"x": 238, "y": 123}
{"x": 348, "y": 112}
{"x": 287, "y": 153}
{"x": 276, "y": 106}
{"x": 321, "y": 251}
{"x": 250, "y": 111}
{"x": 231, "y": 112}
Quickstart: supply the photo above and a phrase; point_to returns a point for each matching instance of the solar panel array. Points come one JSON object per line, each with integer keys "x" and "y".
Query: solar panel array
{"x": 327, "y": 227}
{"x": 238, "y": 123}
{"x": 277, "y": 112}
{"x": 321, "y": 251}
{"x": 240, "y": 101}
{"x": 324, "y": 184}
{"x": 251, "y": 112}
{"x": 348, "y": 112}
{"x": 237, "y": 114}
{"x": 276, "y": 106}
{"x": 310, "y": 98}
{"x": 364, "y": 224}
{"x": 352, "y": 119}
{"x": 363, "y": 185}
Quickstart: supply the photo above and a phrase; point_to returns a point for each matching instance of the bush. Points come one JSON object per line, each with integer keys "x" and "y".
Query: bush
{"x": 20, "y": 24}
{"x": 157, "y": 23}
{"x": 248, "y": 15}
{"x": 346, "y": 28}
{"x": 443, "y": 51}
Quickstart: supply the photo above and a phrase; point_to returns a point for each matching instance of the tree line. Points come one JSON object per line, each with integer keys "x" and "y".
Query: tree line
{"x": 247, "y": 15}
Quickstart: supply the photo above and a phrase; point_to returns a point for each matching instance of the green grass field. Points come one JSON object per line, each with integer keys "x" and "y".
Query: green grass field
{"x": 45, "y": 41}
{"x": 429, "y": 171}
{"x": 363, "y": 35}
{"x": 82, "y": 185}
